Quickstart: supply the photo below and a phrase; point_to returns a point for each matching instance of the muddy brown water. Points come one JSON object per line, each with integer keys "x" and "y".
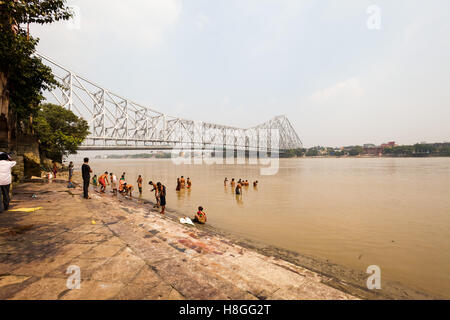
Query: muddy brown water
{"x": 355, "y": 212}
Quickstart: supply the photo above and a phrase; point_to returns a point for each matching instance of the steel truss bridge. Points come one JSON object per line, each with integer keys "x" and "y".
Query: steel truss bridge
{"x": 117, "y": 123}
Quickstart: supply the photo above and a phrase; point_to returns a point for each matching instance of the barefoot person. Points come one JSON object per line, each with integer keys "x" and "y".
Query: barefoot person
{"x": 182, "y": 182}
{"x": 86, "y": 174}
{"x": 162, "y": 196}
{"x": 200, "y": 216}
{"x": 128, "y": 189}
{"x": 178, "y": 185}
{"x": 121, "y": 183}
{"x": 103, "y": 179}
{"x": 139, "y": 182}
{"x": 156, "y": 193}
{"x": 113, "y": 183}
{"x": 225, "y": 181}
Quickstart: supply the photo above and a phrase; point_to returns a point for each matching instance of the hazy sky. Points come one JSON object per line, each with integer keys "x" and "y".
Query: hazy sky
{"x": 241, "y": 62}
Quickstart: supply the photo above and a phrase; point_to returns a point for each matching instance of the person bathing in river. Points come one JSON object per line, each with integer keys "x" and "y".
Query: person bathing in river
{"x": 121, "y": 183}
{"x": 225, "y": 182}
{"x": 127, "y": 189}
{"x": 103, "y": 179}
{"x": 200, "y": 216}
{"x": 178, "y": 185}
{"x": 139, "y": 182}
{"x": 189, "y": 183}
{"x": 255, "y": 183}
{"x": 162, "y": 196}
{"x": 233, "y": 183}
{"x": 239, "y": 188}
{"x": 182, "y": 182}
{"x": 156, "y": 193}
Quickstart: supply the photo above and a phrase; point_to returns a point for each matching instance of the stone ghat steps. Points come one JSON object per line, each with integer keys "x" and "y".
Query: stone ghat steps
{"x": 125, "y": 250}
{"x": 202, "y": 266}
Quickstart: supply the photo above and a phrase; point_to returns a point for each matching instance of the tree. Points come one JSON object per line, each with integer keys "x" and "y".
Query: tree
{"x": 23, "y": 77}
{"x": 59, "y": 131}
{"x": 357, "y": 150}
{"x": 312, "y": 152}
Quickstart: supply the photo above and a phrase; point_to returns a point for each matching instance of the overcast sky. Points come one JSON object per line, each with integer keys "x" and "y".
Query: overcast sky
{"x": 241, "y": 62}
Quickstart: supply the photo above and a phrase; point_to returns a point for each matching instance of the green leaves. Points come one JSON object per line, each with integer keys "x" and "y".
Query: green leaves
{"x": 59, "y": 131}
{"x": 26, "y": 76}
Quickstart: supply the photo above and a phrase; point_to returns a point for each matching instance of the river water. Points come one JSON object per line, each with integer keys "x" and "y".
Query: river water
{"x": 356, "y": 212}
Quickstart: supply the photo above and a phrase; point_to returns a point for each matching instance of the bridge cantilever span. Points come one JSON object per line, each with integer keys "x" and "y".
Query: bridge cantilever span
{"x": 117, "y": 123}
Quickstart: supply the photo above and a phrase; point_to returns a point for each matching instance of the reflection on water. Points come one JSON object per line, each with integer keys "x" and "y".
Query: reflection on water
{"x": 394, "y": 213}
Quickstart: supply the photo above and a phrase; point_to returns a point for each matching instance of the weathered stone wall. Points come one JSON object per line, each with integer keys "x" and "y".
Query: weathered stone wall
{"x": 27, "y": 157}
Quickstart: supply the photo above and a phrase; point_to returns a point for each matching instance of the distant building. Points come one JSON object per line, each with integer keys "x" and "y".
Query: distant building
{"x": 389, "y": 144}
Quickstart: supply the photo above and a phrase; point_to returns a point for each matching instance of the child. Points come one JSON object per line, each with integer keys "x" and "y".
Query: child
{"x": 95, "y": 182}
{"x": 200, "y": 216}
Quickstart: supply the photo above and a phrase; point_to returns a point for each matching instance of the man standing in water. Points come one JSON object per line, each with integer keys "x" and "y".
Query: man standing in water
{"x": 189, "y": 183}
{"x": 182, "y": 182}
{"x": 139, "y": 182}
{"x": 86, "y": 174}
{"x": 239, "y": 188}
{"x": 162, "y": 196}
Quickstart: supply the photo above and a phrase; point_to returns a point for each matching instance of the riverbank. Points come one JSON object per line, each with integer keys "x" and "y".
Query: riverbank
{"x": 125, "y": 250}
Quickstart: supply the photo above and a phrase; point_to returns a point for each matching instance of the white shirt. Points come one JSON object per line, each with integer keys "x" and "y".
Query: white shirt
{"x": 5, "y": 171}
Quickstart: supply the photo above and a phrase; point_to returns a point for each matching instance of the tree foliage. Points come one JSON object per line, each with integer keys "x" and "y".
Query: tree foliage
{"x": 59, "y": 131}
{"x": 27, "y": 77}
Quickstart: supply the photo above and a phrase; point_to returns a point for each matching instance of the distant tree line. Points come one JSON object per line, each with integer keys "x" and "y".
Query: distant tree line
{"x": 138, "y": 156}
{"x": 419, "y": 150}
{"x": 416, "y": 150}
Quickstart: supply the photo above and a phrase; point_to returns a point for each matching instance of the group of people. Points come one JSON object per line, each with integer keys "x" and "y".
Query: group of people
{"x": 182, "y": 183}
{"x": 126, "y": 189}
{"x": 160, "y": 195}
{"x": 121, "y": 186}
{"x": 241, "y": 183}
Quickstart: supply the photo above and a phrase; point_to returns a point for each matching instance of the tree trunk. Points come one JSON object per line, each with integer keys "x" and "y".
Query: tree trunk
{"x": 5, "y": 133}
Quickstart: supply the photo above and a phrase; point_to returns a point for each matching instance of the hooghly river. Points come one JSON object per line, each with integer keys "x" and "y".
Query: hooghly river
{"x": 356, "y": 212}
